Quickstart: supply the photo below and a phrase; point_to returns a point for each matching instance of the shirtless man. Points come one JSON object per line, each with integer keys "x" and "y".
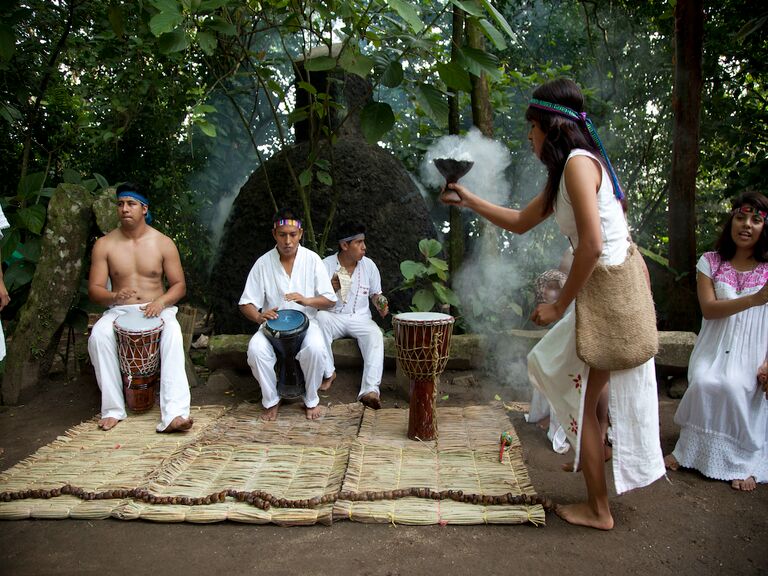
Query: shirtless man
{"x": 135, "y": 257}
{"x": 288, "y": 276}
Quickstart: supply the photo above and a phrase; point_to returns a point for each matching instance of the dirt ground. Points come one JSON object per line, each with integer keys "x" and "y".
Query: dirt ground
{"x": 684, "y": 525}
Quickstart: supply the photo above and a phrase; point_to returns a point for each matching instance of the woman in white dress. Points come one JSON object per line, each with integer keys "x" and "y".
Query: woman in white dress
{"x": 584, "y": 195}
{"x": 724, "y": 413}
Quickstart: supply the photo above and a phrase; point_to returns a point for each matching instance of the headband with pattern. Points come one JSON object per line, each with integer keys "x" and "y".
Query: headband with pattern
{"x": 589, "y": 128}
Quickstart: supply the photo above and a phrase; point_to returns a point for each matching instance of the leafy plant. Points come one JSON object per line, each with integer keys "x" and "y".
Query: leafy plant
{"x": 428, "y": 278}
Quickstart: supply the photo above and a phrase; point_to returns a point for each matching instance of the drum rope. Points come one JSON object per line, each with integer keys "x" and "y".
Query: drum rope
{"x": 265, "y": 500}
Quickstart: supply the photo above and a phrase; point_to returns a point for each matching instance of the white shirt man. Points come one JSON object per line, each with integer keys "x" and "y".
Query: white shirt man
{"x": 357, "y": 281}
{"x": 288, "y": 276}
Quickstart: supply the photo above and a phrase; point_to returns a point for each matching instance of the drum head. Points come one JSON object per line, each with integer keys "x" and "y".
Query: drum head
{"x": 287, "y": 321}
{"x": 135, "y": 321}
{"x": 423, "y": 317}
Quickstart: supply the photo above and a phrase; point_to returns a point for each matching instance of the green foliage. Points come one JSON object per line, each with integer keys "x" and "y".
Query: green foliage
{"x": 428, "y": 279}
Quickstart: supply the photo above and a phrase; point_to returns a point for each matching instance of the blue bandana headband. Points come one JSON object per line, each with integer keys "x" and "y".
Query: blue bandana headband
{"x": 589, "y": 128}
{"x": 360, "y": 236}
{"x": 141, "y": 199}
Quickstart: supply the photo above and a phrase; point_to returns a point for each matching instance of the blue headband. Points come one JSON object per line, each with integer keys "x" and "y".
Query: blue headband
{"x": 588, "y": 127}
{"x": 140, "y": 198}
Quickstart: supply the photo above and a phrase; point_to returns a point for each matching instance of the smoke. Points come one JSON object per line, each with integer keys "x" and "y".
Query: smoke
{"x": 495, "y": 282}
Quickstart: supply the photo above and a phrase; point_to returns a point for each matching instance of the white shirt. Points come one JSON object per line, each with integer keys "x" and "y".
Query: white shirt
{"x": 366, "y": 281}
{"x": 268, "y": 283}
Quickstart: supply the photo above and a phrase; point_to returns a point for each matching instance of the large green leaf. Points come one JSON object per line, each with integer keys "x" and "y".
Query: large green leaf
{"x": 478, "y": 61}
{"x": 32, "y": 218}
{"x": 324, "y": 177}
{"x": 376, "y": 119}
{"x": 434, "y": 103}
{"x": 167, "y": 19}
{"x": 411, "y": 269}
{"x": 454, "y": 76}
{"x": 101, "y": 180}
{"x": 389, "y": 71}
{"x": 469, "y": 6}
{"x": 423, "y": 300}
{"x": 18, "y": 274}
{"x": 221, "y": 26}
{"x": 175, "y": 41}
{"x": 430, "y": 247}
{"x": 438, "y": 263}
{"x": 207, "y": 42}
{"x": 10, "y": 113}
{"x": 498, "y": 18}
{"x": 30, "y": 185}
{"x": 356, "y": 63}
{"x": 445, "y": 294}
{"x": 493, "y": 34}
{"x": 71, "y": 176}
{"x": 407, "y": 12}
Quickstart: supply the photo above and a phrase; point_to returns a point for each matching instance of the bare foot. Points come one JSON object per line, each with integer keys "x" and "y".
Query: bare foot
{"x": 371, "y": 400}
{"x": 582, "y": 515}
{"x": 671, "y": 462}
{"x": 326, "y": 384}
{"x": 270, "y": 414}
{"x": 746, "y": 485}
{"x": 543, "y": 423}
{"x": 316, "y": 412}
{"x": 607, "y": 453}
{"x": 108, "y": 423}
{"x": 179, "y": 424}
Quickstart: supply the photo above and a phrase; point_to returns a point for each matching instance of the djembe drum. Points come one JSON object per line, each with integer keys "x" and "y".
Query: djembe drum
{"x": 286, "y": 334}
{"x": 423, "y": 343}
{"x": 138, "y": 351}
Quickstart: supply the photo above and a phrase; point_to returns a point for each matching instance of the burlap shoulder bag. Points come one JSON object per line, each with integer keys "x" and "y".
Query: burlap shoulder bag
{"x": 615, "y": 316}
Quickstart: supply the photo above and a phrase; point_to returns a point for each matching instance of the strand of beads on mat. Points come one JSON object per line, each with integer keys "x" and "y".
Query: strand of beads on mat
{"x": 265, "y": 500}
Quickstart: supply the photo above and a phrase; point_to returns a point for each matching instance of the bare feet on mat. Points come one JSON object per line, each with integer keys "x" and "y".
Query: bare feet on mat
{"x": 746, "y": 485}
{"x": 326, "y": 384}
{"x": 671, "y": 462}
{"x": 316, "y": 412}
{"x": 108, "y": 423}
{"x": 270, "y": 414}
{"x": 371, "y": 400}
{"x": 607, "y": 452}
{"x": 583, "y": 515}
{"x": 179, "y": 424}
{"x": 543, "y": 423}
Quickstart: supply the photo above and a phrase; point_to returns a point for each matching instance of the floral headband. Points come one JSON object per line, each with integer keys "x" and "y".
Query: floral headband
{"x": 588, "y": 128}
{"x": 287, "y": 222}
{"x": 748, "y": 209}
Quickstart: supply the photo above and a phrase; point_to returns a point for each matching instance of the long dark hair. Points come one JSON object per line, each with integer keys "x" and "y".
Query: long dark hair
{"x": 562, "y": 134}
{"x": 726, "y": 247}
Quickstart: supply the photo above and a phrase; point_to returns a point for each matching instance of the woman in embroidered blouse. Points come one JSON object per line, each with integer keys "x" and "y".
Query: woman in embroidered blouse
{"x": 724, "y": 413}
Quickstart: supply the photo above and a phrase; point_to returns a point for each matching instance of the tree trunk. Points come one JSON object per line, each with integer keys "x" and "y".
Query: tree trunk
{"x": 682, "y": 310}
{"x": 456, "y": 233}
{"x": 54, "y": 288}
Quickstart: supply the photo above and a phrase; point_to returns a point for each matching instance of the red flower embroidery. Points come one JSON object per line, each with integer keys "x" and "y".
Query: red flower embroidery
{"x": 576, "y": 381}
{"x": 574, "y": 425}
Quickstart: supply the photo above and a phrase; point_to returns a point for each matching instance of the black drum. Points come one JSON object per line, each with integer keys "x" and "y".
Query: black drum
{"x": 286, "y": 333}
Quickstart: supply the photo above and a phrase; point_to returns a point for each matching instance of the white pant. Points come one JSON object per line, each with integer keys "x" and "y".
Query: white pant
{"x": 174, "y": 388}
{"x": 369, "y": 339}
{"x": 311, "y": 356}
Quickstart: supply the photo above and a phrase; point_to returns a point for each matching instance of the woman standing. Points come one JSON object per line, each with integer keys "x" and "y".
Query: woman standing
{"x": 724, "y": 412}
{"x": 583, "y": 193}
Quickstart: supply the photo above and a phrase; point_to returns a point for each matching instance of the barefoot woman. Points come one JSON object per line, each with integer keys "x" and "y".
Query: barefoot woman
{"x": 585, "y": 197}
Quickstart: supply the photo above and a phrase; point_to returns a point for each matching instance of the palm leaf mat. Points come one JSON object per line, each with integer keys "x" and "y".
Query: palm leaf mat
{"x": 464, "y": 457}
{"x": 291, "y": 459}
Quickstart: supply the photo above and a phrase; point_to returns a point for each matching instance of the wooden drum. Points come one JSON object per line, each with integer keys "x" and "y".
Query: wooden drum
{"x": 423, "y": 344}
{"x": 138, "y": 350}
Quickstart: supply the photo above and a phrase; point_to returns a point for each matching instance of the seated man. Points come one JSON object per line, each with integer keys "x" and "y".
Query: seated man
{"x": 135, "y": 257}
{"x": 280, "y": 279}
{"x": 356, "y": 279}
